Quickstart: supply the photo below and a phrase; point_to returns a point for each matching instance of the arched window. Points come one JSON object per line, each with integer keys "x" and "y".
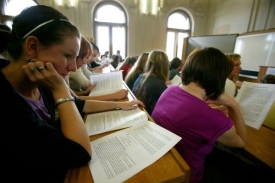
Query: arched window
{"x": 178, "y": 27}
{"x": 11, "y": 8}
{"x": 110, "y": 28}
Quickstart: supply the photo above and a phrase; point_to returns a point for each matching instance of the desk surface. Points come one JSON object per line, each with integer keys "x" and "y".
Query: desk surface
{"x": 169, "y": 168}
{"x": 261, "y": 144}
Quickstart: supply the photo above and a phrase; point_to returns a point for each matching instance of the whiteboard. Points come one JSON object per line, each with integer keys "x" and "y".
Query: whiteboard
{"x": 225, "y": 43}
{"x": 256, "y": 50}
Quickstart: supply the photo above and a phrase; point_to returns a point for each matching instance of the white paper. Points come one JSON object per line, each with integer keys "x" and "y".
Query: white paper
{"x": 270, "y": 71}
{"x": 120, "y": 155}
{"x": 255, "y": 100}
{"x": 176, "y": 80}
{"x": 108, "y": 69}
{"x": 113, "y": 120}
{"x": 106, "y": 83}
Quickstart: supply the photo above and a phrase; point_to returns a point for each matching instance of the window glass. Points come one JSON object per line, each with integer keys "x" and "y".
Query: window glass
{"x": 178, "y": 28}
{"x": 110, "y": 28}
{"x": 178, "y": 21}
{"x": 110, "y": 13}
{"x": 170, "y": 43}
{"x": 14, "y": 7}
{"x": 103, "y": 39}
{"x": 118, "y": 38}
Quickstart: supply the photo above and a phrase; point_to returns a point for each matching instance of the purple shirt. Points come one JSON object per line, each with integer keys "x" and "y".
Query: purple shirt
{"x": 39, "y": 108}
{"x": 192, "y": 119}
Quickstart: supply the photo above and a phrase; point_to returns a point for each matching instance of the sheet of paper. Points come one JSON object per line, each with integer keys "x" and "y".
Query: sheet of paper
{"x": 106, "y": 83}
{"x": 113, "y": 120}
{"x": 176, "y": 80}
{"x": 255, "y": 101}
{"x": 108, "y": 69}
{"x": 270, "y": 71}
{"x": 120, "y": 155}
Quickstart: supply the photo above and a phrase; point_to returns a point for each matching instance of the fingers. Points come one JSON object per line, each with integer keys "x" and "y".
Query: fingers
{"x": 34, "y": 70}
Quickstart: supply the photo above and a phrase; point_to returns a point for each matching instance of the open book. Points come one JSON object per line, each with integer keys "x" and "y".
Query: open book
{"x": 106, "y": 83}
{"x": 120, "y": 155}
{"x": 255, "y": 101}
{"x": 113, "y": 120}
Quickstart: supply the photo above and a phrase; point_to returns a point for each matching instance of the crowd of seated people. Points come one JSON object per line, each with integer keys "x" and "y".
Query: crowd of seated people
{"x": 34, "y": 80}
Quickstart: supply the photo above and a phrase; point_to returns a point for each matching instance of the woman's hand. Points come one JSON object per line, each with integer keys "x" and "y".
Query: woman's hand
{"x": 224, "y": 99}
{"x": 90, "y": 88}
{"x": 121, "y": 94}
{"x": 44, "y": 74}
{"x": 133, "y": 104}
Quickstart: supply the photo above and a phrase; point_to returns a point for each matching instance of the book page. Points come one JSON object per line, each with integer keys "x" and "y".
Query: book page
{"x": 255, "y": 100}
{"x": 120, "y": 155}
{"x": 106, "y": 83}
{"x": 113, "y": 120}
{"x": 176, "y": 80}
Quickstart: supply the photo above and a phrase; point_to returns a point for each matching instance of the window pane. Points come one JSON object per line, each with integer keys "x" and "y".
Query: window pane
{"x": 103, "y": 39}
{"x": 110, "y": 13}
{"x": 14, "y": 7}
{"x": 118, "y": 40}
{"x": 181, "y": 36}
{"x": 9, "y": 23}
{"x": 178, "y": 21}
{"x": 170, "y": 42}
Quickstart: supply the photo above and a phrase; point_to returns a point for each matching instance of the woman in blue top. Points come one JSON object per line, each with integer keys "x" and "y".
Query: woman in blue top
{"x": 149, "y": 86}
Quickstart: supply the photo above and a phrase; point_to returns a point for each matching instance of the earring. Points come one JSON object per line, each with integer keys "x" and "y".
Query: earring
{"x": 30, "y": 59}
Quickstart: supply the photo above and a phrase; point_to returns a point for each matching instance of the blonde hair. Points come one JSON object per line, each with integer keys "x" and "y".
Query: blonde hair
{"x": 232, "y": 56}
{"x": 138, "y": 67}
{"x": 158, "y": 65}
{"x": 125, "y": 62}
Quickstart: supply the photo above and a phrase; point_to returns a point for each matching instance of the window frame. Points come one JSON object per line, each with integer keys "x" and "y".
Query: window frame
{"x": 177, "y": 31}
{"x": 3, "y": 17}
{"x": 110, "y": 25}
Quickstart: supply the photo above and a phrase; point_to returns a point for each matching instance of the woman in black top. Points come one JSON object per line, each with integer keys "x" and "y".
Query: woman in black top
{"x": 42, "y": 132}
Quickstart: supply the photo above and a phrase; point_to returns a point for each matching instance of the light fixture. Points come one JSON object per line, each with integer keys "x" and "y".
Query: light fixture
{"x": 149, "y": 6}
{"x": 66, "y": 3}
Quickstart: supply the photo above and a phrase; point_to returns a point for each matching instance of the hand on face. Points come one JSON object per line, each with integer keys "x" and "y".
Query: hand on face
{"x": 44, "y": 74}
{"x": 224, "y": 99}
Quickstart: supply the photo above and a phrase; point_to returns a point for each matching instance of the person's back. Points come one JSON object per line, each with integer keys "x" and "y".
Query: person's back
{"x": 149, "y": 86}
{"x": 175, "y": 67}
{"x": 125, "y": 68}
{"x": 150, "y": 91}
{"x": 184, "y": 109}
{"x": 198, "y": 126}
{"x": 136, "y": 70}
{"x": 115, "y": 62}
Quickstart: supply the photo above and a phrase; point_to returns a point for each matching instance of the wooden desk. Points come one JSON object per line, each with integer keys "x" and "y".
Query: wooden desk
{"x": 169, "y": 168}
{"x": 261, "y": 145}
